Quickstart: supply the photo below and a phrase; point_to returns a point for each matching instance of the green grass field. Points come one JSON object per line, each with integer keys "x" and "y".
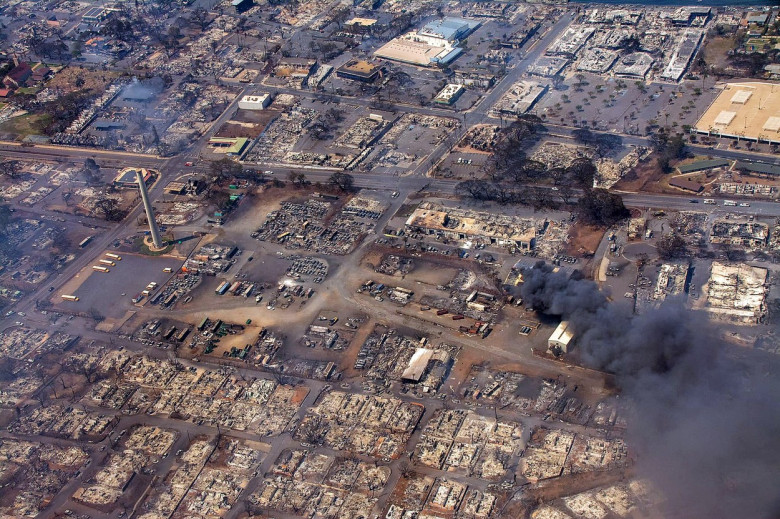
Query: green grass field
{"x": 25, "y": 125}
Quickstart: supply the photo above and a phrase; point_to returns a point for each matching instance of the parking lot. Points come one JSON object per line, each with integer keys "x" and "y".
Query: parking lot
{"x": 110, "y": 293}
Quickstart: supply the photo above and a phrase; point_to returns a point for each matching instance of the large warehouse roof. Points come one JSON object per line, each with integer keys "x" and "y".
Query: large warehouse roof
{"x": 413, "y": 52}
{"x": 748, "y": 110}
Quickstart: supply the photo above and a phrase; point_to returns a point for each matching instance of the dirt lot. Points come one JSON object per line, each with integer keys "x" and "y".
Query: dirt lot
{"x": 716, "y": 50}
{"x": 583, "y": 239}
{"x": 248, "y": 123}
{"x": 96, "y": 81}
{"x": 642, "y": 178}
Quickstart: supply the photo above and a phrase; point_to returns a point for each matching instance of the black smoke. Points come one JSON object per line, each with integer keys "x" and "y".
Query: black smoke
{"x": 705, "y": 422}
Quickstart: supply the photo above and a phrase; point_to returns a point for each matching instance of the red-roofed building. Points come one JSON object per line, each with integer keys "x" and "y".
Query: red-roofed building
{"x": 18, "y": 76}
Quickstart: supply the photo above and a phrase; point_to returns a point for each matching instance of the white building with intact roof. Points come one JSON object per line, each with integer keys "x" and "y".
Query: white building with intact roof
{"x": 434, "y": 43}
{"x": 561, "y": 338}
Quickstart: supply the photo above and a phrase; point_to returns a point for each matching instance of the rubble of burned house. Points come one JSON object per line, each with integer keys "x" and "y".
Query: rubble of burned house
{"x": 320, "y": 224}
{"x": 390, "y": 151}
{"x": 166, "y": 496}
{"x": 480, "y": 138}
{"x": 545, "y": 455}
{"x": 89, "y": 114}
{"x": 144, "y": 446}
{"x": 178, "y": 213}
{"x": 597, "y": 60}
{"x": 25, "y": 380}
{"x": 313, "y": 483}
{"x": 392, "y": 265}
{"x": 266, "y": 347}
{"x": 202, "y": 395}
{"x": 17, "y": 343}
{"x": 64, "y": 422}
{"x": 465, "y": 442}
{"x": 610, "y": 172}
{"x": 691, "y": 225}
{"x": 281, "y": 135}
{"x": 552, "y": 453}
{"x": 386, "y": 355}
{"x": 737, "y": 292}
{"x": 739, "y": 232}
{"x": 528, "y": 396}
{"x": 39, "y": 471}
{"x": 461, "y": 224}
{"x": 671, "y": 281}
{"x": 214, "y": 491}
{"x": 557, "y": 155}
{"x": 620, "y": 500}
{"x": 418, "y": 495}
{"x": 363, "y": 132}
{"x": 368, "y": 425}
{"x": 211, "y": 259}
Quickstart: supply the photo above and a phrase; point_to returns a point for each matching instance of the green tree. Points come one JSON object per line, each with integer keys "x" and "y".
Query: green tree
{"x": 602, "y": 208}
{"x": 226, "y": 168}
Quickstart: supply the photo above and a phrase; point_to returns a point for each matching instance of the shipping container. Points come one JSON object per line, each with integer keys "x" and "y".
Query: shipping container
{"x": 202, "y": 324}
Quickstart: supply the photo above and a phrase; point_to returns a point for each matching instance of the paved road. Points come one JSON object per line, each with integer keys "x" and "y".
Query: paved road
{"x": 15, "y": 150}
{"x": 683, "y": 203}
{"x": 479, "y": 113}
{"x": 173, "y": 167}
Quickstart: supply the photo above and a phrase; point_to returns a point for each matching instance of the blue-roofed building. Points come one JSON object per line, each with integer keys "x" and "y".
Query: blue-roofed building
{"x": 450, "y": 29}
{"x": 449, "y": 57}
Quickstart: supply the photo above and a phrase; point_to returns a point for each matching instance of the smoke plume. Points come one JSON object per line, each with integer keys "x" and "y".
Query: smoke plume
{"x": 705, "y": 424}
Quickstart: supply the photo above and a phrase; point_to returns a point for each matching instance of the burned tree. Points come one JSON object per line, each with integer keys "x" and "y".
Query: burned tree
{"x": 343, "y": 181}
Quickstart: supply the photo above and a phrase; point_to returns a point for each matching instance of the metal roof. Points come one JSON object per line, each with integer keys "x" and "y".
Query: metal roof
{"x": 759, "y": 167}
{"x": 701, "y": 165}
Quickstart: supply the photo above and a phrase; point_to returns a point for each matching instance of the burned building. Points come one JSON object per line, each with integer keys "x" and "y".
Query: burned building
{"x": 460, "y": 224}
{"x": 359, "y": 70}
{"x": 740, "y": 233}
{"x": 127, "y": 178}
{"x": 737, "y": 292}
